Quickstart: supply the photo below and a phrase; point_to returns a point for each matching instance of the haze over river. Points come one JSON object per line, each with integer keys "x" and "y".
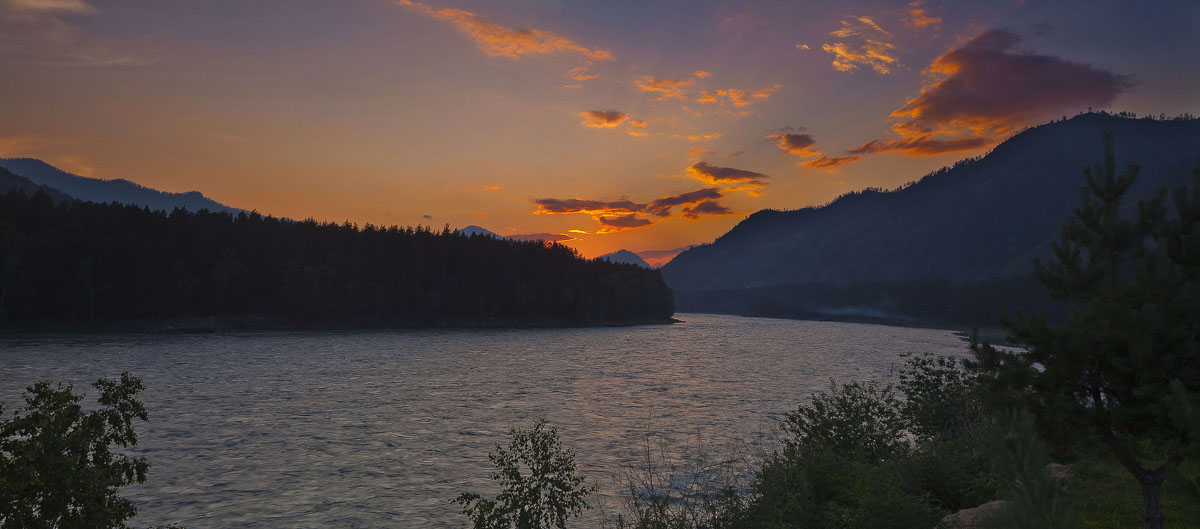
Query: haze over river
{"x": 382, "y": 428}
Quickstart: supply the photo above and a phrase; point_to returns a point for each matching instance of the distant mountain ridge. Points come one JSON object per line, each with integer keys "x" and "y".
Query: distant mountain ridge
{"x": 105, "y": 191}
{"x": 476, "y": 230}
{"x": 15, "y": 182}
{"x": 983, "y": 219}
{"x": 626, "y": 257}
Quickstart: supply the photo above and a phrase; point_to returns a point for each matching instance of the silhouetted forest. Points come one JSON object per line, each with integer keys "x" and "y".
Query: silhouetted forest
{"x": 86, "y": 261}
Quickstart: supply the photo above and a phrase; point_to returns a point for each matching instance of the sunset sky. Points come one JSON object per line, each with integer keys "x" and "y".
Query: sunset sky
{"x": 607, "y": 124}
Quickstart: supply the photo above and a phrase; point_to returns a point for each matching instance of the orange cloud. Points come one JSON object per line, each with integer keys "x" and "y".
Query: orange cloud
{"x": 619, "y": 215}
{"x": 701, "y": 74}
{"x": 740, "y": 178}
{"x": 827, "y": 162}
{"x": 665, "y": 89}
{"x": 738, "y": 97}
{"x": 923, "y": 145}
{"x": 696, "y": 152}
{"x": 866, "y": 44}
{"x": 987, "y": 89}
{"x": 501, "y": 41}
{"x": 77, "y": 7}
{"x": 11, "y": 146}
{"x": 704, "y": 137}
{"x": 918, "y": 16}
{"x": 804, "y": 146}
{"x": 795, "y": 143}
{"x": 581, "y": 74}
{"x": 74, "y": 164}
{"x": 637, "y": 127}
{"x": 603, "y": 119}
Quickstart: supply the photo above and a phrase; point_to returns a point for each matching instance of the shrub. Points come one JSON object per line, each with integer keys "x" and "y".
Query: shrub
{"x": 540, "y": 485}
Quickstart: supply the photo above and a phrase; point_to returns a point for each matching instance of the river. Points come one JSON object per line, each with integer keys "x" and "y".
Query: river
{"x": 382, "y": 428}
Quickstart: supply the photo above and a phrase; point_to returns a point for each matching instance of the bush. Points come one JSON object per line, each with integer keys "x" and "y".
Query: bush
{"x": 855, "y": 420}
{"x": 864, "y": 455}
{"x": 540, "y": 487}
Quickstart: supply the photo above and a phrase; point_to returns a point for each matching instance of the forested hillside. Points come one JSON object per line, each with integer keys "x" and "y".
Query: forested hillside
{"x": 91, "y": 262}
{"x": 981, "y": 221}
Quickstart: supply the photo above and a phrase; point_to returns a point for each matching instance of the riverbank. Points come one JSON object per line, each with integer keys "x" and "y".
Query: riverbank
{"x": 220, "y": 324}
{"x": 994, "y": 334}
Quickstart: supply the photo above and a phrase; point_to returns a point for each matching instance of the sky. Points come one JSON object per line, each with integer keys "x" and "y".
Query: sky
{"x": 645, "y": 125}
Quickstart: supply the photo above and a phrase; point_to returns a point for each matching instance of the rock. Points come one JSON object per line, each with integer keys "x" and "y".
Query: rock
{"x": 975, "y": 517}
{"x": 1061, "y": 473}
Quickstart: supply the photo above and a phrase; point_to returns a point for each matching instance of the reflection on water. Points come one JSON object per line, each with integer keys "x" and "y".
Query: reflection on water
{"x": 381, "y": 429}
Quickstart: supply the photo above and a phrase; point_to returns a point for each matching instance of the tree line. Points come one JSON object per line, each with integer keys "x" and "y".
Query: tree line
{"x": 82, "y": 261}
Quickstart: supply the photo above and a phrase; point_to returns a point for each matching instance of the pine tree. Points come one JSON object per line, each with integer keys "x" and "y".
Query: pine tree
{"x": 1124, "y": 363}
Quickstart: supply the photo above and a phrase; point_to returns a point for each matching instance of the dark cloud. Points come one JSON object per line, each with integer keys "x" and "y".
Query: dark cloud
{"x": 708, "y": 207}
{"x": 987, "y": 89}
{"x": 725, "y": 175}
{"x": 620, "y": 215}
{"x": 794, "y": 143}
{"x": 548, "y": 237}
{"x": 621, "y": 223}
{"x": 427, "y": 217}
{"x": 805, "y": 146}
{"x": 578, "y": 205}
{"x": 828, "y": 162}
{"x": 1042, "y": 29}
{"x": 662, "y": 206}
{"x": 603, "y": 119}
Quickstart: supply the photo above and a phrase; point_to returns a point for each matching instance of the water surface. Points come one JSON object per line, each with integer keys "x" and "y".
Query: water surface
{"x": 380, "y": 429}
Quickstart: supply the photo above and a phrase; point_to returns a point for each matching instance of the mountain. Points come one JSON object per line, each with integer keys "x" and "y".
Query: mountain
{"x": 626, "y": 257}
{"x": 15, "y": 182}
{"x": 657, "y": 258}
{"x": 104, "y": 191}
{"x": 984, "y": 219}
{"x": 476, "y": 230}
